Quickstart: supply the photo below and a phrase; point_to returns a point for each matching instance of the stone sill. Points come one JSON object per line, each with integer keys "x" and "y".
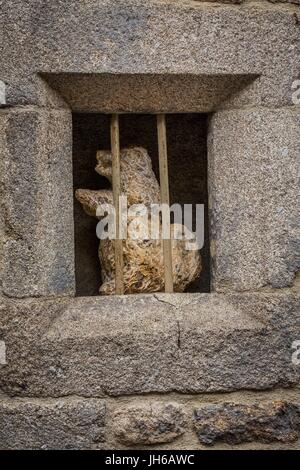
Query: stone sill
{"x": 186, "y": 343}
{"x": 110, "y": 317}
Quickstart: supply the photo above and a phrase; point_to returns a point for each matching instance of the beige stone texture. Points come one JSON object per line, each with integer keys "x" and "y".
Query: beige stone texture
{"x": 254, "y": 181}
{"x": 36, "y": 203}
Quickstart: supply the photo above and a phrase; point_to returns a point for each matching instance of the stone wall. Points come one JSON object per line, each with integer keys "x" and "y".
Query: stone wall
{"x": 241, "y": 422}
{"x": 188, "y": 371}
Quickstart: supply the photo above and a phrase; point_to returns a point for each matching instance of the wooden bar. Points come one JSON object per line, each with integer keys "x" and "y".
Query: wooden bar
{"x": 165, "y": 199}
{"x": 116, "y": 185}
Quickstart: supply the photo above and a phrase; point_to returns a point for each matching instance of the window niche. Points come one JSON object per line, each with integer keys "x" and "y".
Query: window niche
{"x": 187, "y": 162}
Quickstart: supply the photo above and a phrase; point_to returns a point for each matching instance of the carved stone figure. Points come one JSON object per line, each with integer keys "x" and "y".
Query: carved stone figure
{"x": 143, "y": 259}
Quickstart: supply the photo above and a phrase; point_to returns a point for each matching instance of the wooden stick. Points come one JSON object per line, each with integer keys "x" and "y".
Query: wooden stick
{"x": 116, "y": 185}
{"x": 165, "y": 199}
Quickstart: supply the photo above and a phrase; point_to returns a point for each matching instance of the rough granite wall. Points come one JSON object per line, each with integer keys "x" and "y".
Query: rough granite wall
{"x": 185, "y": 371}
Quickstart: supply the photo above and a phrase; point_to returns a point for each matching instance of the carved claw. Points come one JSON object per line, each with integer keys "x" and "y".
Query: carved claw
{"x": 92, "y": 199}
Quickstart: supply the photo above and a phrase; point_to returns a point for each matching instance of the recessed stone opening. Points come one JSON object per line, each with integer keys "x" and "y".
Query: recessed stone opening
{"x": 187, "y": 156}
{"x": 186, "y": 99}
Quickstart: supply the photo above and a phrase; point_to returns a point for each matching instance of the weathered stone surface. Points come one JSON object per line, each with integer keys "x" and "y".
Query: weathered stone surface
{"x": 254, "y": 174}
{"x": 186, "y": 422}
{"x": 130, "y": 37}
{"x": 235, "y": 423}
{"x": 2, "y": 227}
{"x": 116, "y": 345}
{"x": 239, "y": 2}
{"x": 156, "y": 56}
{"x": 147, "y": 93}
{"x": 2, "y": 93}
{"x": 226, "y": 1}
{"x": 37, "y": 202}
{"x": 62, "y": 424}
{"x": 223, "y": 1}
{"x": 295, "y": 2}
{"x": 149, "y": 423}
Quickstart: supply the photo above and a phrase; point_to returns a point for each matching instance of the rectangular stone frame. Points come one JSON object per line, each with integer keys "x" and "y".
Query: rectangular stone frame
{"x": 247, "y": 152}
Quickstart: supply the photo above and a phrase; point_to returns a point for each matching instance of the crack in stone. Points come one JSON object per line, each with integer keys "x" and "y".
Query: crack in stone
{"x": 164, "y": 301}
{"x": 179, "y": 304}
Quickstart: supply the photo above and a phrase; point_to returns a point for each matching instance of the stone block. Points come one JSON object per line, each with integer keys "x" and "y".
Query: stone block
{"x": 294, "y": 2}
{"x": 147, "y": 93}
{"x": 20, "y": 56}
{"x": 37, "y": 202}
{"x": 148, "y": 423}
{"x": 53, "y": 424}
{"x": 254, "y": 181}
{"x": 235, "y": 423}
{"x": 129, "y": 37}
{"x": 235, "y": 2}
{"x": 2, "y": 93}
{"x": 189, "y": 343}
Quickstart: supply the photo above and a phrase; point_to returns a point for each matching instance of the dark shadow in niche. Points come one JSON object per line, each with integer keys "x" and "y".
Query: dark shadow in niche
{"x": 187, "y": 154}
